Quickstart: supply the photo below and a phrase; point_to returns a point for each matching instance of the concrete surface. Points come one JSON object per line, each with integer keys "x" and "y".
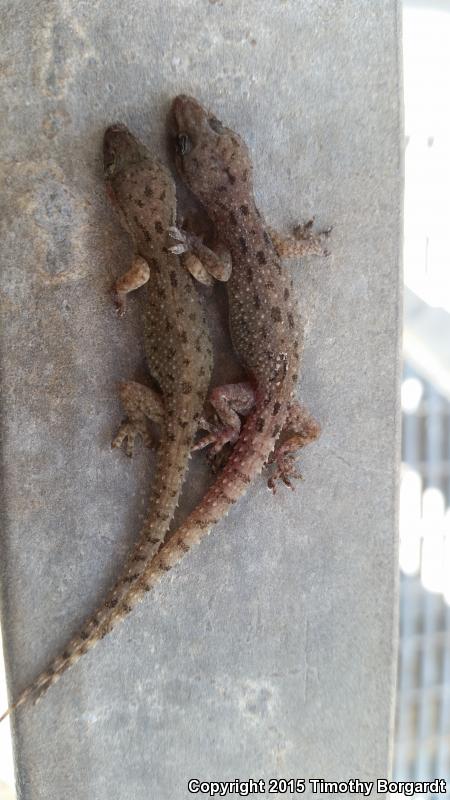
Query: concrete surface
{"x": 270, "y": 650}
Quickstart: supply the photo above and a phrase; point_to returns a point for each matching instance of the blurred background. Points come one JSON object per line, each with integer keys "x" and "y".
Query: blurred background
{"x": 422, "y": 738}
{"x": 422, "y": 746}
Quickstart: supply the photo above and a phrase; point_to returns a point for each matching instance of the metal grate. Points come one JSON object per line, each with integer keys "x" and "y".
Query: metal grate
{"x": 422, "y": 749}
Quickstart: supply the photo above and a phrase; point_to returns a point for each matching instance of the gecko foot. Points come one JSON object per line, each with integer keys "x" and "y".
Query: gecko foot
{"x": 201, "y": 261}
{"x": 216, "y": 457}
{"x": 126, "y": 435}
{"x": 305, "y": 233}
{"x": 285, "y": 470}
{"x": 217, "y": 437}
{"x": 119, "y": 302}
{"x": 304, "y": 241}
{"x": 300, "y": 430}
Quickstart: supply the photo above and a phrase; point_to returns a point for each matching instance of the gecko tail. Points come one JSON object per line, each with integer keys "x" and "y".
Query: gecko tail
{"x": 21, "y": 700}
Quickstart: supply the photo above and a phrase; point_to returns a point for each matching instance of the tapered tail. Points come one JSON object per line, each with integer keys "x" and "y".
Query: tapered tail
{"x": 165, "y": 496}
{"x": 246, "y": 461}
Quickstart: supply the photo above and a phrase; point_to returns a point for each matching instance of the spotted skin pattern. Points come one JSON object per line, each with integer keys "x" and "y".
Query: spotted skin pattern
{"x": 178, "y": 351}
{"x": 264, "y": 322}
{"x": 265, "y": 327}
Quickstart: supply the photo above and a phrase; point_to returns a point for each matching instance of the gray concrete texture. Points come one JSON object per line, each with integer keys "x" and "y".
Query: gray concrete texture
{"x": 270, "y": 650}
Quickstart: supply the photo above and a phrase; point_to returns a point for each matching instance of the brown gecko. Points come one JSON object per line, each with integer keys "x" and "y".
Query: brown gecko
{"x": 178, "y": 351}
{"x": 265, "y": 326}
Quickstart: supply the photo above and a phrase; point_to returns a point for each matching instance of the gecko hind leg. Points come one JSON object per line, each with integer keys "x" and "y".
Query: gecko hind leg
{"x": 300, "y": 430}
{"x": 304, "y": 242}
{"x": 141, "y": 404}
{"x": 229, "y": 401}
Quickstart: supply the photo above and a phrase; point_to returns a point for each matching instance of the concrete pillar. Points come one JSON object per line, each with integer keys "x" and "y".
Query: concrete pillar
{"x": 270, "y": 650}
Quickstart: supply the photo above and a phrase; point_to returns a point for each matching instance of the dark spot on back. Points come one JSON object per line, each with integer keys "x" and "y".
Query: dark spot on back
{"x": 233, "y": 218}
{"x": 275, "y": 313}
{"x": 267, "y": 238}
{"x": 158, "y": 226}
{"x": 186, "y": 388}
{"x": 286, "y": 294}
{"x": 173, "y": 279}
{"x": 162, "y": 196}
{"x": 243, "y": 245}
{"x": 244, "y": 210}
{"x": 256, "y": 300}
{"x": 241, "y": 475}
{"x": 142, "y": 228}
{"x": 249, "y": 274}
{"x": 148, "y": 191}
{"x": 131, "y": 578}
{"x": 276, "y": 408}
{"x": 261, "y": 257}
{"x": 291, "y": 320}
{"x": 259, "y": 425}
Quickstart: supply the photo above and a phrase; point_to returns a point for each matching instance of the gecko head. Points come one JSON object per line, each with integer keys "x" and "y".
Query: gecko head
{"x": 120, "y": 150}
{"x": 212, "y": 159}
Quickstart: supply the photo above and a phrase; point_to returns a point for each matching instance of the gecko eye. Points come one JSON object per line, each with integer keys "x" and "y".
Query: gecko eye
{"x": 183, "y": 144}
{"x": 216, "y": 125}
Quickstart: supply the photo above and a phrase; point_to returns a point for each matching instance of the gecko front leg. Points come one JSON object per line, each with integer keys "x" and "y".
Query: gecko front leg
{"x": 134, "y": 278}
{"x": 304, "y": 242}
{"x": 195, "y": 252}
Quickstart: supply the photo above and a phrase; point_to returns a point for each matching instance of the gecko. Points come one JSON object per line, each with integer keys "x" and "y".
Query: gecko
{"x": 179, "y": 355}
{"x": 265, "y": 326}
{"x": 266, "y": 331}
